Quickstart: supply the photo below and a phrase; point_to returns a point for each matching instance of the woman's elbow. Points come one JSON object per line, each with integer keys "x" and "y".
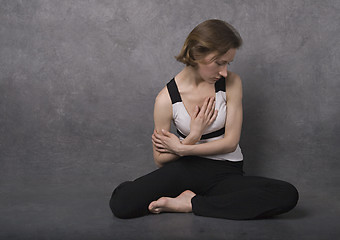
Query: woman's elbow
{"x": 157, "y": 160}
{"x": 234, "y": 147}
{"x": 161, "y": 159}
{"x": 158, "y": 163}
{"x": 231, "y": 146}
{"x": 229, "y": 149}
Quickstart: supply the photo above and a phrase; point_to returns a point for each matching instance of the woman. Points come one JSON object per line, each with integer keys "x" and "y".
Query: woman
{"x": 201, "y": 171}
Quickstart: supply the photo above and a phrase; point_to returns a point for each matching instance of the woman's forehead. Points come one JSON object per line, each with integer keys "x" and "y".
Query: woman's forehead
{"x": 227, "y": 57}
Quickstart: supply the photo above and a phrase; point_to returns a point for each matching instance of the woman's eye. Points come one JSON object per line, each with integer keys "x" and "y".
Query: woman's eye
{"x": 221, "y": 64}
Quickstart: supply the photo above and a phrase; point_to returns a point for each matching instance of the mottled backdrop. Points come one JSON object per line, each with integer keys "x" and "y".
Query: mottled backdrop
{"x": 78, "y": 81}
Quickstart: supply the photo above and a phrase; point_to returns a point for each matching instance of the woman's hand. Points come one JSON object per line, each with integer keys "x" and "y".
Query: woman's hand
{"x": 166, "y": 142}
{"x": 202, "y": 118}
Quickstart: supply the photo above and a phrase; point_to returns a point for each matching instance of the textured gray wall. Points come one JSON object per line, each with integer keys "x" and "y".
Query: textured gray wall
{"x": 78, "y": 81}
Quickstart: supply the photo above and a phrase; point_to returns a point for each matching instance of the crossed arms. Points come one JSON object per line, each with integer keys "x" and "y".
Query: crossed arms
{"x": 167, "y": 146}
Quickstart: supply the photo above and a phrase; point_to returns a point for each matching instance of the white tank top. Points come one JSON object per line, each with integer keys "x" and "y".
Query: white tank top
{"x": 216, "y": 130}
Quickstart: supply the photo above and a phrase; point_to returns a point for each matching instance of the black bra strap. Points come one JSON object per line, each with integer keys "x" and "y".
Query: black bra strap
{"x": 173, "y": 91}
{"x": 220, "y": 85}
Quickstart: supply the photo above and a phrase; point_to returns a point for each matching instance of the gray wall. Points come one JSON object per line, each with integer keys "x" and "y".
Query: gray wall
{"x": 78, "y": 81}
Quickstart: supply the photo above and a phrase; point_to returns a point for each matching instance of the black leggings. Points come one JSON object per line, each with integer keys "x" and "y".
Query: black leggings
{"x": 221, "y": 190}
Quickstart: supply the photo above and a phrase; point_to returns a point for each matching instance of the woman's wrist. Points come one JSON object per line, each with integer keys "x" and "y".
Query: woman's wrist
{"x": 187, "y": 144}
{"x": 191, "y": 139}
{"x": 186, "y": 150}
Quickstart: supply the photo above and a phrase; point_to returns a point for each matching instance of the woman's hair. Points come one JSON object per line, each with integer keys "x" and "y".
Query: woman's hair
{"x": 208, "y": 37}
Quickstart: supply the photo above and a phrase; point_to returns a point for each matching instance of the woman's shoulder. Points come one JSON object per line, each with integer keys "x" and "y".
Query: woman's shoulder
{"x": 163, "y": 97}
{"x": 163, "y": 101}
{"x": 233, "y": 84}
{"x": 233, "y": 78}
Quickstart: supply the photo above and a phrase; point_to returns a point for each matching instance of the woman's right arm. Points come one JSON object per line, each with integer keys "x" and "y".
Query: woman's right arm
{"x": 162, "y": 120}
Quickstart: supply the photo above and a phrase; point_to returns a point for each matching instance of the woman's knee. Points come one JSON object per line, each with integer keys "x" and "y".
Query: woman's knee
{"x": 288, "y": 196}
{"x": 120, "y": 202}
{"x": 292, "y": 196}
{"x": 284, "y": 197}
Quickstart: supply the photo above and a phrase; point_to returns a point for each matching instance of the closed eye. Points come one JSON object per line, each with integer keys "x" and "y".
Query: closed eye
{"x": 221, "y": 64}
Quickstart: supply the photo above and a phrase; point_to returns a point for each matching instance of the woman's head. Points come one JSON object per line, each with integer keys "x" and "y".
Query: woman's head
{"x": 211, "y": 36}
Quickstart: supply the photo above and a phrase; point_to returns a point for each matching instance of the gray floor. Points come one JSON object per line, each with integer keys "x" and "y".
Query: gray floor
{"x": 68, "y": 211}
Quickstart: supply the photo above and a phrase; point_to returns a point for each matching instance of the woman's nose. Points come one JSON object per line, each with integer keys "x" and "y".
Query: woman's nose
{"x": 224, "y": 72}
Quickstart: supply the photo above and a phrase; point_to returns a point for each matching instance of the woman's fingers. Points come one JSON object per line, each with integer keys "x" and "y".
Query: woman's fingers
{"x": 166, "y": 133}
{"x": 155, "y": 139}
{"x": 210, "y": 105}
{"x": 156, "y": 136}
{"x": 157, "y": 143}
{"x": 211, "y": 109}
{"x": 158, "y": 139}
{"x": 208, "y": 108}
{"x": 159, "y": 146}
{"x": 204, "y": 106}
{"x": 207, "y": 111}
{"x": 162, "y": 150}
{"x": 197, "y": 110}
{"x": 213, "y": 118}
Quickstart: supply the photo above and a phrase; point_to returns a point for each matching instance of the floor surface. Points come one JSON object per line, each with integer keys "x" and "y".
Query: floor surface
{"x": 61, "y": 212}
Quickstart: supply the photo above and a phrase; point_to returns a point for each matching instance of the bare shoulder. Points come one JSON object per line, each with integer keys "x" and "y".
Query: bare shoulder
{"x": 163, "y": 103}
{"x": 233, "y": 79}
{"x": 163, "y": 98}
{"x": 233, "y": 85}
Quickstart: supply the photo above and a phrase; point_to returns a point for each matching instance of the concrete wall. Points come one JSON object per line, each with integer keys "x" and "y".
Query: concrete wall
{"x": 78, "y": 81}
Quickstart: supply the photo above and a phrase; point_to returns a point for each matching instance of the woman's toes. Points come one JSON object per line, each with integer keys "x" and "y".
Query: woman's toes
{"x": 156, "y": 210}
{"x": 157, "y": 206}
{"x": 154, "y": 207}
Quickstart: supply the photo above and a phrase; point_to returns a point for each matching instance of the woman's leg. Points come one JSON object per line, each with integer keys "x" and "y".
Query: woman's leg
{"x": 132, "y": 199}
{"x": 246, "y": 197}
{"x": 212, "y": 172}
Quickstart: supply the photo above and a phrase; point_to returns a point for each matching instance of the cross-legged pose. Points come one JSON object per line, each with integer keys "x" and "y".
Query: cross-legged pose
{"x": 201, "y": 170}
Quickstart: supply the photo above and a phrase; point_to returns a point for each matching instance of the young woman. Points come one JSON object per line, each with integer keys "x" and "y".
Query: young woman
{"x": 201, "y": 171}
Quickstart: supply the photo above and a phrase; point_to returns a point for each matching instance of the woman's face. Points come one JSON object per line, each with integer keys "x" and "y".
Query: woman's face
{"x": 211, "y": 68}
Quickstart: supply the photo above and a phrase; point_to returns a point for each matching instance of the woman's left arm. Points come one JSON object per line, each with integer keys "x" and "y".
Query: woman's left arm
{"x": 233, "y": 126}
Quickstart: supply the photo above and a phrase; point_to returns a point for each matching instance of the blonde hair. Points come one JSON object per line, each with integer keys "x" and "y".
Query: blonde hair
{"x": 209, "y": 36}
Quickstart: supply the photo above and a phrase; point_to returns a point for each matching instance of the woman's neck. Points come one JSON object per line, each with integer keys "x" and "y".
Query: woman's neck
{"x": 189, "y": 76}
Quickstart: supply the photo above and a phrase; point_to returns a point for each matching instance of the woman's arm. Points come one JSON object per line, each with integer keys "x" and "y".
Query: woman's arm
{"x": 162, "y": 120}
{"x": 233, "y": 127}
{"x": 200, "y": 119}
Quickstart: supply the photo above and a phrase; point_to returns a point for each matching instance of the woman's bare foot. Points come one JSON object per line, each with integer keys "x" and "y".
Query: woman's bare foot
{"x": 182, "y": 203}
